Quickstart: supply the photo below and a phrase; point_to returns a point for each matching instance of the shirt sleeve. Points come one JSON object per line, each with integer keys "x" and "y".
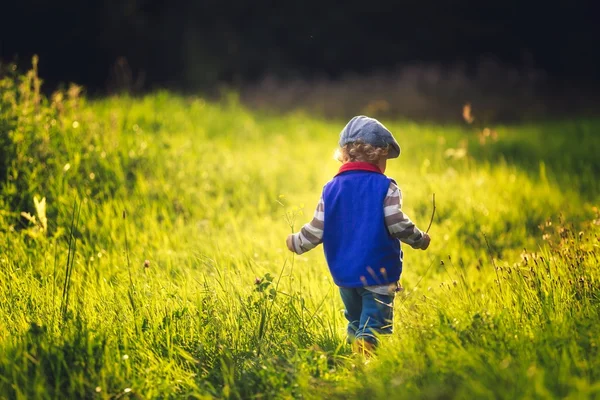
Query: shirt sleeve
{"x": 311, "y": 234}
{"x": 399, "y": 224}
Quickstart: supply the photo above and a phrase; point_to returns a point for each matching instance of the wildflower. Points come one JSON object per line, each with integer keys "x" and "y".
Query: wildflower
{"x": 467, "y": 116}
{"x": 257, "y": 281}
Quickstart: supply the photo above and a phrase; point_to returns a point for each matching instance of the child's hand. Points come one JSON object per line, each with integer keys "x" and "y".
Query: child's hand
{"x": 289, "y": 243}
{"x": 426, "y": 241}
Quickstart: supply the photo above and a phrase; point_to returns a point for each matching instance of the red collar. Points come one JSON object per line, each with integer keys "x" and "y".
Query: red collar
{"x": 359, "y": 166}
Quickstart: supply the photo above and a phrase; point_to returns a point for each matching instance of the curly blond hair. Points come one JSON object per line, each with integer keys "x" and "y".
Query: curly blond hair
{"x": 360, "y": 151}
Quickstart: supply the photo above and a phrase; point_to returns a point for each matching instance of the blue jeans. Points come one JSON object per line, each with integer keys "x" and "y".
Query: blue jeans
{"x": 369, "y": 314}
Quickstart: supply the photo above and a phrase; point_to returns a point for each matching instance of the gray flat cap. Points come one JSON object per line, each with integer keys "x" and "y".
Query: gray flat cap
{"x": 371, "y": 131}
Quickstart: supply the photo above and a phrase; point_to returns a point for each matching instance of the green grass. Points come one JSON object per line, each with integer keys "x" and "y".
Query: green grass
{"x": 196, "y": 188}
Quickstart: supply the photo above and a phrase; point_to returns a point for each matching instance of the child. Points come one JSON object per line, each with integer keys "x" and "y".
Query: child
{"x": 360, "y": 223}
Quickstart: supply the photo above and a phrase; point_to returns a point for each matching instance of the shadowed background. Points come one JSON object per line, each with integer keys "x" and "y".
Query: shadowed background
{"x": 512, "y": 59}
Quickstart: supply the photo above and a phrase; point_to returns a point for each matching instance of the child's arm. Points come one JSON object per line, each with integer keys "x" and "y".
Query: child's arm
{"x": 311, "y": 234}
{"x": 398, "y": 223}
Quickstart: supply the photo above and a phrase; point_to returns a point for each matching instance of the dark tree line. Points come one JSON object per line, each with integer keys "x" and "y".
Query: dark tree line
{"x": 195, "y": 44}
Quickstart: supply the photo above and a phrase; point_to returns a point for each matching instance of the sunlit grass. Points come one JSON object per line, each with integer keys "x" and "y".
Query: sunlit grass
{"x": 221, "y": 309}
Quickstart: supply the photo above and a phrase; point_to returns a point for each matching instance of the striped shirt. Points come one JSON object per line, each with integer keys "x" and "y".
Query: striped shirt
{"x": 398, "y": 225}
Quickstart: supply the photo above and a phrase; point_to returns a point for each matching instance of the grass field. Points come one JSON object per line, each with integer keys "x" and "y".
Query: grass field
{"x": 152, "y": 262}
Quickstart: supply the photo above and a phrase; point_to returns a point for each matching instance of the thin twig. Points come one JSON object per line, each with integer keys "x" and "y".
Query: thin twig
{"x": 422, "y": 276}
{"x": 131, "y": 290}
{"x": 432, "y": 215}
{"x": 489, "y": 248}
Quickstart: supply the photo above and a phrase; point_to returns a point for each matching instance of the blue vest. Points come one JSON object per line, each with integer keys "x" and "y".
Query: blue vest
{"x": 358, "y": 247}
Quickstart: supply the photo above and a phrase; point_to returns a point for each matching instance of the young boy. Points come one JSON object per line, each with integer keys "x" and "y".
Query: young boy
{"x": 360, "y": 223}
